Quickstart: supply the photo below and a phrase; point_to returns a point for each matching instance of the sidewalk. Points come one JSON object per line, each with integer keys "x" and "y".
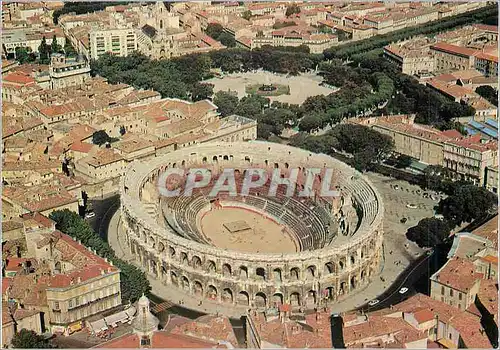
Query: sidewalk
{"x": 389, "y": 272}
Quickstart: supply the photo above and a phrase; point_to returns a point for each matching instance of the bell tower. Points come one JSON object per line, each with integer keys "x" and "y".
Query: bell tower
{"x": 145, "y": 323}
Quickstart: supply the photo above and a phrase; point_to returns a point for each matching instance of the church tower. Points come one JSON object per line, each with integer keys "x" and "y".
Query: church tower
{"x": 145, "y": 323}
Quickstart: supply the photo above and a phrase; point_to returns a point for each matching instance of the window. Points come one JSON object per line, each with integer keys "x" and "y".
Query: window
{"x": 70, "y": 303}
{"x": 442, "y": 290}
{"x": 459, "y": 296}
{"x": 451, "y": 292}
{"x": 56, "y": 305}
{"x": 145, "y": 341}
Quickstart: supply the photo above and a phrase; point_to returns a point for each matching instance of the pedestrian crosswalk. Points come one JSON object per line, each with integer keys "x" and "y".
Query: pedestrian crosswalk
{"x": 158, "y": 308}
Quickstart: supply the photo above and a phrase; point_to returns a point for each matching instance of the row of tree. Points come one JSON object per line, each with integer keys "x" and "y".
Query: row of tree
{"x": 134, "y": 282}
{"x": 217, "y": 32}
{"x": 26, "y": 55}
{"x": 361, "y": 47}
{"x": 366, "y": 146}
{"x": 81, "y": 7}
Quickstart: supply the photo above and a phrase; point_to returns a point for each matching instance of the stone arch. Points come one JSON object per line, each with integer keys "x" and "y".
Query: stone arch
{"x": 295, "y": 299}
{"x": 174, "y": 278}
{"x": 330, "y": 293}
{"x": 310, "y": 272}
{"x": 151, "y": 240}
{"x": 343, "y": 288}
{"x": 204, "y": 160}
{"x": 243, "y": 298}
{"x": 161, "y": 247}
{"x": 294, "y": 274}
{"x": 243, "y": 272}
{"x": 329, "y": 268}
{"x": 286, "y": 165}
{"x": 311, "y": 298}
{"x": 277, "y": 299}
{"x": 211, "y": 267}
{"x": 353, "y": 259}
{"x": 225, "y": 158}
{"x": 354, "y": 282}
{"x": 226, "y": 270}
{"x": 164, "y": 271}
{"x": 171, "y": 251}
{"x": 260, "y": 272}
{"x": 363, "y": 275}
{"x": 227, "y": 295}
{"x": 277, "y": 274}
{"x": 260, "y": 300}
{"x": 215, "y": 159}
{"x": 341, "y": 265}
{"x": 184, "y": 258}
{"x": 212, "y": 292}
{"x": 196, "y": 262}
{"x": 185, "y": 283}
{"x": 198, "y": 289}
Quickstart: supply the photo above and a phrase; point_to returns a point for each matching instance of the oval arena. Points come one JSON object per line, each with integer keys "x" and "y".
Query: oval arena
{"x": 254, "y": 250}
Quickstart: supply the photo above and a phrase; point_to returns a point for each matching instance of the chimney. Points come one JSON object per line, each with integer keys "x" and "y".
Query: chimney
{"x": 79, "y": 279}
{"x": 103, "y": 272}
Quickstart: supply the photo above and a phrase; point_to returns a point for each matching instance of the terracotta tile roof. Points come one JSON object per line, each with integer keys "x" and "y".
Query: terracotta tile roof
{"x": 11, "y": 225}
{"x": 6, "y": 316}
{"x": 475, "y": 142}
{"x": 471, "y": 331}
{"x": 209, "y": 327}
{"x": 6, "y": 281}
{"x": 18, "y": 78}
{"x": 423, "y": 315}
{"x": 457, "y": 273}
{"x": 488, "y": 296}
{"x": 486, "y": 27}
{"x": 20, "y": 314}
{"x": 486, "y": 57}
{"x": 454, "y": 49}
{"x": 293, "y": 334}
{"x": 159, "y": 340}
{"x": 41, "y": 198}
{"x": 82, "y": 147}
{"x": 102, "y": 157}
{"x": 38, "y": 218}
{"x": 489, "y": 230}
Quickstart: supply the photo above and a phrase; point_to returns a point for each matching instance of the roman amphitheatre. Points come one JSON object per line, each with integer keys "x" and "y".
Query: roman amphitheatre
{"x": 254, "y": 250}
{"x": 301, "y": 86}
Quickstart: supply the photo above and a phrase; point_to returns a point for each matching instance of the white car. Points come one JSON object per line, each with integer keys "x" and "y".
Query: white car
{"x": 89, "y": 215}
{"x": 374, "y": 302}
{"x": 411, "y": 206}
{"x": 403, "y": 290}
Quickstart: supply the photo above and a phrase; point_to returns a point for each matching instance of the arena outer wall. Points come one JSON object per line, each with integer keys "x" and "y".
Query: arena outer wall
{"x": 304, "y": 279}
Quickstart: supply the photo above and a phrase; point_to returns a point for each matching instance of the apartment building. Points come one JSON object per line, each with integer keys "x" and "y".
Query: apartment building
{"x": 119, "y": 42}
{"x": 68, "y": 282}
{"x": 470, "y": 157}
{"x": 456, "y": 283}
{"x": 452, "y": 57}
{"x": 486, "y": 64}
{"x": 317, "y": 43}
{"x": 413, "y": 56}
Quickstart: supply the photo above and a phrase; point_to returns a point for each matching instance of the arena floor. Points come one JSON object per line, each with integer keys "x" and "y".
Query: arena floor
{"x": 264, "y": 235}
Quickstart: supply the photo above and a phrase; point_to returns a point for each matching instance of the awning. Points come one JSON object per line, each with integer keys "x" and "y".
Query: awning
{"x": 98, "y": 326}
{"x": 130, "y": 311}
{"x": 115, "y": 318}
{"x": 75, "y": 327}
{"x": 447, "y": 343}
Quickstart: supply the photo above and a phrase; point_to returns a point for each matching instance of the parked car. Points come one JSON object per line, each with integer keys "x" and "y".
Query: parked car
{"x": 403, "y": 220}
{"x": 374, "y": 302}
{"x": 411, "y": 206}
{"x": 403, "y": 290}
{"x": 89, "y": 215}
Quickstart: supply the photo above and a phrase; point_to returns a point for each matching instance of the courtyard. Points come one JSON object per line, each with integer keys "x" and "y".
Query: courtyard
{"x": 301, "y": 86}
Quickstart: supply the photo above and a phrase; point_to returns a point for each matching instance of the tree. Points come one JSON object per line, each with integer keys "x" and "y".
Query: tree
{"x": 227, "y": 39}
{"x": 24, "y": 55}
{"x": 403, "y": 161}
{"x": 69, "y": 50}
{"x": 201, "y": 91}
{"x": 247, "y": 15}
{"x": 488, "y": 93}
{"x": 44, "y": 51}
{"x": 226, "y": 102}
{"x": 467, "y": 204}
{"x": 312, "y": 122}
{"x": 429, "y": 232}
{"x": 100, "y": 137}
{"x": 290, "y": 10}
{"x": 214, "y": 30}
{"x": 54, "y": 46}
{"x": 27, "y": 339}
